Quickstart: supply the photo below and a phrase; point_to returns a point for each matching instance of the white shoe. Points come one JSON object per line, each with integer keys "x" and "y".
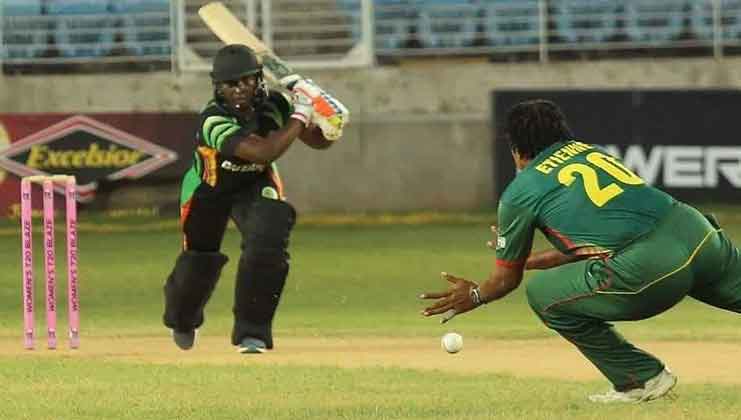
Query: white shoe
{"x": 654, "y": 388}
{"x": 251, "y": 345}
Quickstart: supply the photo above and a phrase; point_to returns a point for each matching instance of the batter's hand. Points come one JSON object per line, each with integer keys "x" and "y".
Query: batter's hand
{"x": 493, "y": 243}
{"x": 330, "y": 115}
{"x": 454, "y": 301}
{"x": 303, "y": 107}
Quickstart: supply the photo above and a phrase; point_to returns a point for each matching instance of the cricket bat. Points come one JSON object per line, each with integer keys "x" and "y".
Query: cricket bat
{"x": 230, "y": 30}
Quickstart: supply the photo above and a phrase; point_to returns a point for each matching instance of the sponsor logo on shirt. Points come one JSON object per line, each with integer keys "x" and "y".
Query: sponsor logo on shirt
{"x": 501, "y": 242}
{"x": 248, "y": 167}
{"x": 270, "y": 192}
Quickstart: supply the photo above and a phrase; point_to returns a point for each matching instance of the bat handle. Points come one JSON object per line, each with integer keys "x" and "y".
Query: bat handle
{"x": 290, "y": 80}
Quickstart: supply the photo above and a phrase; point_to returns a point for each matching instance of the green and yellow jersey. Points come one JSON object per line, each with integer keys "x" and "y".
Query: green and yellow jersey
{"x": 215, "y": 169}
{"x": 582, "y": 199}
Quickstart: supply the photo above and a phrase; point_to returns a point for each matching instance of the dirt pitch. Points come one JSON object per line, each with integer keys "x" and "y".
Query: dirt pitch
{"x": 694, "y": 362}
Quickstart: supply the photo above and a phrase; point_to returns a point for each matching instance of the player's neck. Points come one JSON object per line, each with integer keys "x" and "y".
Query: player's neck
{"x": 521, "y": 163}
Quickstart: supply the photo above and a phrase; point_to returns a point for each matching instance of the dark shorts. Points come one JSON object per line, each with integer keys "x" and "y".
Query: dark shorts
{"x": 204, "y": 217}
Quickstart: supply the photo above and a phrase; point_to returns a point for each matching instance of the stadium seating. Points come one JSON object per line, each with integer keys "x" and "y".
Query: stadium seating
{"x": 145, "y": 25}
{"x": 438, "y": 24}
{"x": 731, "y": 20}
{"x": 394, "y": 21}
{"x": 351, "y": 9}
{"x": 24, "y": 35}
{"x": 447, "y": 23}
{"x": 83, "y": 27}
{"x": 512, "y": 22}
{"x": 654, "y": 21}
{"x": 584, "y": 21}
{"x": 701, "y": 19}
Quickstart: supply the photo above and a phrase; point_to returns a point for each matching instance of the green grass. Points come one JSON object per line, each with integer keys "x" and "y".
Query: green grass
{"x": 350, "y": 279}
{"x": 75, "y": 390}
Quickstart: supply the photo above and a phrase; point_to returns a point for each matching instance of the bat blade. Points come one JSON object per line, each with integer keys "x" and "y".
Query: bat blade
{"x": 222, "y": 22}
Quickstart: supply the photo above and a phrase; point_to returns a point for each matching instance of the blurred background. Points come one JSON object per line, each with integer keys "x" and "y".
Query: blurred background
{"x": 109, "y": 91}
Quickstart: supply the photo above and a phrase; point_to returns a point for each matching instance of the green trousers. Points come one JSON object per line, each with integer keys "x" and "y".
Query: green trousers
{"x": 686, "y": 255}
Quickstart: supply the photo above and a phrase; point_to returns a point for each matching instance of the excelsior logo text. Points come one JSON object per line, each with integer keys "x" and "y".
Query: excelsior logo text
{"x": 94, "y": 156}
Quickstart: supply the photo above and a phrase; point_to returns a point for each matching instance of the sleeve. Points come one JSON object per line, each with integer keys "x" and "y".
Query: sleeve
{"x": 515, "y": 232}
{"x": 275, "y": 111}
{"x": 283, "y": 105}
{"x": 217, "y": 131}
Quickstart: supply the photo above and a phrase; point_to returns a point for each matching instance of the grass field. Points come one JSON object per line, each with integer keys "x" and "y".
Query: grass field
{"x": 350, "y": 341}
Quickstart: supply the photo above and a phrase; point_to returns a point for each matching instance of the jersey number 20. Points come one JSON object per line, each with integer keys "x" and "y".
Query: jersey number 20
{"x": 599, "y": 195}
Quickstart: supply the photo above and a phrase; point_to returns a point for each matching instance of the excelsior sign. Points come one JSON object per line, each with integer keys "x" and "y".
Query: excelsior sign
{"x": 88, "y": 149}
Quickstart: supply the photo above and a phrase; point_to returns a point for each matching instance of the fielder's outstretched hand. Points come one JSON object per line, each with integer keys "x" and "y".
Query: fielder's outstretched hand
{"x": 493, "y": 243}
{"x": 454, "y": 301}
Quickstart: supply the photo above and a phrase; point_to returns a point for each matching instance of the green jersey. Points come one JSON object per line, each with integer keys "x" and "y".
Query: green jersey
{"x": 582, "y": 199}
{"x": 215, "y": 169}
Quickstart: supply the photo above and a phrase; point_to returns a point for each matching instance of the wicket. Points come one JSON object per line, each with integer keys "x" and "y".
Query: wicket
{"x": 47, "y": 183}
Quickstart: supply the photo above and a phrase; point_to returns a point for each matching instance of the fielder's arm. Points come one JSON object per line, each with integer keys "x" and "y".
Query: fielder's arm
{"x": 550, "y": 258}
{"x": 464, "y": 295}
{"x": 542, "y": 260}
{"x": 501, "y": 282}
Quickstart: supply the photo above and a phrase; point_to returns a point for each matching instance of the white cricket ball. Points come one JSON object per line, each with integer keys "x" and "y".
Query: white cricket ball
{"x": 452, "y": 342}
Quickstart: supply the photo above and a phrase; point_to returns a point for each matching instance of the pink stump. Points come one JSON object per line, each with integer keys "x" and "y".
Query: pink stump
{"x": 73, "y": 298}
{"x": 27, "y": 261}
{"x": 50, "y": 264}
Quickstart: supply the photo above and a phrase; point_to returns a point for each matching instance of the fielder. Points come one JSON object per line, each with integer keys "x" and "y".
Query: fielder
{"x": 242, "y": 131}
{"x": 624, "y": 251}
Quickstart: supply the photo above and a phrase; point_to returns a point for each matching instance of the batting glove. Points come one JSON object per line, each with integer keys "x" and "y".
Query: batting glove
{"x": 303, "y": 107}
{"x": 330, "y": 115}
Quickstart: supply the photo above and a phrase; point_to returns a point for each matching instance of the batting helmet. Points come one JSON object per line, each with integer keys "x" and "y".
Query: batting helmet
{"x": 233, "y": 62}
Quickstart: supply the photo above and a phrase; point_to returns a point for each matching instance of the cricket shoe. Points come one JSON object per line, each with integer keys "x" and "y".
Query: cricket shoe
{"x": 654, "y": 388}
{"x": 184, "y": 339}
{"x": 251, "y": 345}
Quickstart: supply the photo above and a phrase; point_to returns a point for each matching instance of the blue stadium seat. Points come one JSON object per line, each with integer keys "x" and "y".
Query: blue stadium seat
{"x": 730, "y": 12}
{"x": 351, "y": 9}
{"x": 21, "y": 7}
{"x": 393, "y": 21}
{"x": 512, "y": 22}
{"x": 584, "y": 21}
{"x": 654, "y": 21}
{"x": 447, "y": 23}
{"x": 83, "y": 27}
{"x": 145, "y": 25}
{"x": 701, "y": 21}
{"x": 23, "y": 36}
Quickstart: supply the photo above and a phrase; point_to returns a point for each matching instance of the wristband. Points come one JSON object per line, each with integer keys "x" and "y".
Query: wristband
{"x": 301, "y": 117}
{"x": 476, "y": 296}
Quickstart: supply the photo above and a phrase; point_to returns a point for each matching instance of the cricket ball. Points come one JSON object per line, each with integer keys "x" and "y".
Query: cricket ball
{"x": 452, "y": 342}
